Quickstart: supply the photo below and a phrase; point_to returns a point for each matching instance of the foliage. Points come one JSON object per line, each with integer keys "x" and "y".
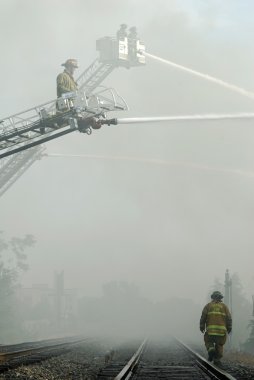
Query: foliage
{"x": 12, "y": 263}
{"x": 241, "y": 312}
{"x": 12, "y": 254}
{"x": 249, "y": 343}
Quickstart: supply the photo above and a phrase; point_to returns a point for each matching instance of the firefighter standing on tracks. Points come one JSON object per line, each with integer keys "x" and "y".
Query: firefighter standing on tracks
{"x": 215, "y": 322}
{"x": 65, "y": 81}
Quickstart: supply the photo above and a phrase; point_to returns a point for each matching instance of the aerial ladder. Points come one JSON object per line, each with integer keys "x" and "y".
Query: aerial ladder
{"x": 22, "y": 134}
{"x": 12, "y": 168}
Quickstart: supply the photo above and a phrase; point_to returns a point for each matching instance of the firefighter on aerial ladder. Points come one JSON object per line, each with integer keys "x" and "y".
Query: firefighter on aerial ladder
{"x": 66, "y": 83}
{"x": 122, "y": 32}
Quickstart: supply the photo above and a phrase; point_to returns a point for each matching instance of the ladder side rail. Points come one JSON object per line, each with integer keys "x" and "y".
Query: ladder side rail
{"x": 36, "y": 137}
{"x": 37, "y": 124}
{"x": 18, "y": 137}
{"x": 88, "y": 72}
{"x": 30, "y": 109}
{"x": 97, "y": 81}
{"x": 33, "y": 134}
{"x": 97, "y": 76}
{"x": 117, "y": 100}
{"x": 11, "y": 124}
{"x": 36, "y": 142}
{"x": 23, "y": 118}
{"x": 33, "y": 127}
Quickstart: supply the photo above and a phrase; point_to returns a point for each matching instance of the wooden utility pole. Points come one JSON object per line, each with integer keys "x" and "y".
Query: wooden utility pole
{"x": 228, "y": 290}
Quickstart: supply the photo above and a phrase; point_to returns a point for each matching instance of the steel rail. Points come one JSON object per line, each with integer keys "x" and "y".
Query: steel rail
{"x": 205, "y": 365}
{"x": 7, "y": 356}
{"x": 126, "y": 372}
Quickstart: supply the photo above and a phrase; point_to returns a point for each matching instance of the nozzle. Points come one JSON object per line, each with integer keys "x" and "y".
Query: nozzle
{"x": 109, "y": 121}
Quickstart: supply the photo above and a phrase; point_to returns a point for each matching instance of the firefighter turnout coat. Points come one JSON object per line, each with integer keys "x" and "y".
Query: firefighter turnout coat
{"x": 216, "y": 319}
{"x": 65, "y": 83}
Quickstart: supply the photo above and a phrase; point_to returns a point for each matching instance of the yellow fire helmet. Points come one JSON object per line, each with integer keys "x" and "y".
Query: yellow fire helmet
{"x": 71, "y": 62}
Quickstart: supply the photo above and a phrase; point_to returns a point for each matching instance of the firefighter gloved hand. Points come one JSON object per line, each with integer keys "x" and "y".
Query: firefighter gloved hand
{"x": 229, "y": 331}
{"x": 202, "y": 330}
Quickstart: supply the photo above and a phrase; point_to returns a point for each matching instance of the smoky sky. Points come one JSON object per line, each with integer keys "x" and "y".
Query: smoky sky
{"x": 170, "y": 229}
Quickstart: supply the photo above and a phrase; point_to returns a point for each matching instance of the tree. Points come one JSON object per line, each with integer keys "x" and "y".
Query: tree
{"x": 241, "y": 311}
{"x": 249, "y": 343}
{"x": 12, "y": 263}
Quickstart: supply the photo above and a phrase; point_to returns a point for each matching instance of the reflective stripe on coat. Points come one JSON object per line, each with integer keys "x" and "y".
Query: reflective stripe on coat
{"x": 216, "y": 319}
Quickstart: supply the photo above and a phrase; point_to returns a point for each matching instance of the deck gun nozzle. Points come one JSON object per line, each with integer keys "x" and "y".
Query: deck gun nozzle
{"x": 109, "y": 121}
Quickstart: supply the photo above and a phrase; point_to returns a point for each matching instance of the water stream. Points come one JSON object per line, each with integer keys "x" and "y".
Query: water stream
{"x": 157, "y": 161}
{"x": 207, "y": 77}
{"x": 211, "y": 117}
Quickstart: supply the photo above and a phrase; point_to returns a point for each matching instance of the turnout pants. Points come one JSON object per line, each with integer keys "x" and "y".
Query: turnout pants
{"x": 217, "y": 342}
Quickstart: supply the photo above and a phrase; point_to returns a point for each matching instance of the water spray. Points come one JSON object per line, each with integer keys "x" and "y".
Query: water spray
{"x": 157, "y": 161}
{"x": 208, "y": 117}
{"x": 207, "y": 77}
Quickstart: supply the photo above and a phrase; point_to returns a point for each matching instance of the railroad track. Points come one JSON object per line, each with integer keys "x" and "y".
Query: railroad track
{"x": 162, "y": 361}
{"x": 13, "y": 356}
{"x": 35, "y": 344}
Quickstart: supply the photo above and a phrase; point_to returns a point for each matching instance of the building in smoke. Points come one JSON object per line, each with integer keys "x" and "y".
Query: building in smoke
{"x": 46, "y": 309}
